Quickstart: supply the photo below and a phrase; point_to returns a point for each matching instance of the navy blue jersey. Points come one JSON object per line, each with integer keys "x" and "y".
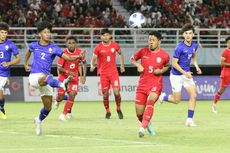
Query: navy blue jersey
{"x": 43, "y": 57}
{"x": 7, "y": 48}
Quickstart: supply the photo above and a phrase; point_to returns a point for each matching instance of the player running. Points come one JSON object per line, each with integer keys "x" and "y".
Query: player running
{"x": 154, "y": 62}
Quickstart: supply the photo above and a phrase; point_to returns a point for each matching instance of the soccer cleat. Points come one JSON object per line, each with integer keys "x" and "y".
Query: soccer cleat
{"x": 108, "y": 115}
{"x": 38, "y": 129}
{"x": 150, "y": 129}
{"x": 141, "y": 132}
{"x": 190, "y": 123}
{"x": 214, "y": 108}
{"x": 62, "y": 118}
{"x": 3, "y": 114}
{"x": 66, "y": 83}
{"x": 161, "y": 98}
{"x": 56, "y": 104}
{"x": 120, "y": 114}
{"x": 69, "y": 115}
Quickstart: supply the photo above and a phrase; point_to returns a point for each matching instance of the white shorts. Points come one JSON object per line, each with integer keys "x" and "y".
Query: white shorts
{"x": 177, "y": 81}
{"x": 3, "y": 81}
{"x": 44, "y": 90}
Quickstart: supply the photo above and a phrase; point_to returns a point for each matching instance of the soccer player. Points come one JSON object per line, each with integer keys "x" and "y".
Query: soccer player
{"x": 105, "y": 53}
{"x": 7, "y": 48}
{"x": 154, "y": 62}
{"x": 225, "y": 74}
{"x": 44, "y": 52}
{"x": 180, "y": 75}
{"x": 66, "y": 69}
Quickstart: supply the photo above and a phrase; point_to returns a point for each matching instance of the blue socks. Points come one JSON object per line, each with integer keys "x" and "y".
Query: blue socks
{"x": 2, "y": 104}
{"x": 65, "y": 97}
{"x": 166, "y": 98}
{"x": 190, "y": 113}
{"x": 53, "y": 82}
{"x": 43, "y": 114}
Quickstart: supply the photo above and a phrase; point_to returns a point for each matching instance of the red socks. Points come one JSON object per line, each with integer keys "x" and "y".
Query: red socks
{"x": 148, "y": 113}
{"x": 68, "y": 106}
{"x": 106, "y": 105}
{"x": 118, "y": 102}
{"x": 217, "y": 97}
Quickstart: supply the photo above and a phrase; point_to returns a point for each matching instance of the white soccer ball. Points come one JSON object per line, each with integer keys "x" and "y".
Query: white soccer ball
{"x": 137, "y": 20}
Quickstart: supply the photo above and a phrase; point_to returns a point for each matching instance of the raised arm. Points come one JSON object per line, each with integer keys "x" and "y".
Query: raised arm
{"x": 92, "y": 63}
{"x": 140, "y": 68}
{"x": 73, "y": 58}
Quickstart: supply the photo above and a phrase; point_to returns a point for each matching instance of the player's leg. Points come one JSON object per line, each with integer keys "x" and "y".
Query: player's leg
{"x": 3, "y": 81}
{"x": 59, "y": 97}
{"x": 191, "y": 90}
{"x": 140, "y": 104}
{"x": 105, "y": 86}
{"x": 46, "y": 96}
{"x": 223, "y": 85}
{"x": 68, "y": 105}
{"x": 176, "y": 83}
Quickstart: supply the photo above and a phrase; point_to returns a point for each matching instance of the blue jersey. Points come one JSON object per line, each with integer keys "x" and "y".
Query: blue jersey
{"x": 43, "y": 57}
{"x": 184, "y": 55}
{"x": 7, "y": 48}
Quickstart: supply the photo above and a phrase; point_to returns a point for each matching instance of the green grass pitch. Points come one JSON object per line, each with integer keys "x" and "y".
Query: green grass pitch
{"x": 89, "y": 132}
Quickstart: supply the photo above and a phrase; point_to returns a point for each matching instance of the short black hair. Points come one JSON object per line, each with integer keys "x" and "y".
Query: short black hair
{"x": 187, "y": 27}
{"x": 156, "y": 34}
{"x": 71, "y": 37}
{"x": 105, "y": 30}
{"x": 227, "y": 39}
{"x": 4, "y": 26}
{"x": 44, "y": 25}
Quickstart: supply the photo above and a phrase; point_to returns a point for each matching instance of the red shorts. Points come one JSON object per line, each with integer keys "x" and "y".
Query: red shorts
{"x": 73, "y": 85}
{"x": 224, "y": 82}
{"x": 143, "y": 92}
{"x": 108, "y": 80}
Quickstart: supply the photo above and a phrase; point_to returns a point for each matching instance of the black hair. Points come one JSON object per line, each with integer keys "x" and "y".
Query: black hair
{"x": 44, "y": 25}
{"x": 71, "y": 37}
{"x": 227, "y": 39}
{"x": 4, "y": 26}
{"x": 105, "y": 30}
{"x": 156, "y": 34}
{"x": 187, "y": 27}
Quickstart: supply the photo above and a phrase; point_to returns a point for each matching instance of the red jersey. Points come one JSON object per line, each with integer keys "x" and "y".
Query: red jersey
{"x": 70, "y": 66}
{"x": 151, "y": 61}
{"x": 225, "y": 70}
{"x": 106, "y": 56}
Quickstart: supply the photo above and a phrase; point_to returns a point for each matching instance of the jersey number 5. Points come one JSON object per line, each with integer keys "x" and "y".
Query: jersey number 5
{"x": 151, "y": 69}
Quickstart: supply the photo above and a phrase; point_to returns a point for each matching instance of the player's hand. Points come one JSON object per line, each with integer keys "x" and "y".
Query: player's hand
{"x": 27, "y": 68}
{"x": 140, "y": 68}
{"x": 82, "y": 54}
{"x": 188, "y": 75}
{"x": 92, "y": 67}
{"x": 122, "y": 69}
{"x": 198, "y": 71}
{"x": 158, "y": 71}
{"x": 83, "y": 80}
{"x": 5, "y": 64}
{"x": 72, "y": 73}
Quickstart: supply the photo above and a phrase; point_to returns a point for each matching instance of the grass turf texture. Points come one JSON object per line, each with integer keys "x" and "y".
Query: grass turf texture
{"x": 89, "y": 132}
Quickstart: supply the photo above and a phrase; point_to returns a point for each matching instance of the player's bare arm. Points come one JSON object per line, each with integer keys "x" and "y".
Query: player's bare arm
{"x": 73, "y": 58}
{"x": 92, "y": 63}
{"x": 26, "y": 64}
{"x": 163, "y": 70}
{"x": 198, "y": 70}
{"x": 84, "y": 72}
{"x": 13, "y": 62}
{"x": 122, "y": 67}
{"x": 140, "y": 68}
{"x": 178, "y": 67}
{"x": 61, "y": 69}
{"x": 223, "y": 63}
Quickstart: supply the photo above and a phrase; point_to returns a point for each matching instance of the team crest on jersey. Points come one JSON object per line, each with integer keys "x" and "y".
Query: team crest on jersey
{"x": 50, "y": 50}
{"x": 112, "y": 49}
{"x": 6, "y": 47}
{"x": 158, "y": 59}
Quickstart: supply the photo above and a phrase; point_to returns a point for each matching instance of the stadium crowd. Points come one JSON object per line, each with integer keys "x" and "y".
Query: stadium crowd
{"x": 100, "y": 13}
{"x": 174, "y": 14}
